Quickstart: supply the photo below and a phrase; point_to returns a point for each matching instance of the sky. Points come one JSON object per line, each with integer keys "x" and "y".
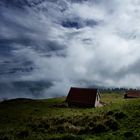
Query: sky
{"x": 64, "y": 43}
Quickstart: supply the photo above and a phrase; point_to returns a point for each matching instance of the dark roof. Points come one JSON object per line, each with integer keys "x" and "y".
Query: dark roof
{"x": 82, "y": 96}
{"x": 133, "y": 94}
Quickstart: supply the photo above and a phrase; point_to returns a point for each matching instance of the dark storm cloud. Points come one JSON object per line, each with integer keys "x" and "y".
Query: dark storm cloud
{"x": 28, "y": 89}
{"x": 69, "y": 43}
{"x": 77, "y": 23}
{"x": 132, "y": 69}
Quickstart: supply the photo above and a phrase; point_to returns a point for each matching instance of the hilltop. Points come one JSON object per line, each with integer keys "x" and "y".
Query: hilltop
{"x": 52, "y": 119}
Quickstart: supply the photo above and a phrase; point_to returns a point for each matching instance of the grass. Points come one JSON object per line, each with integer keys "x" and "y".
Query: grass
{"x": 51, "y": 119}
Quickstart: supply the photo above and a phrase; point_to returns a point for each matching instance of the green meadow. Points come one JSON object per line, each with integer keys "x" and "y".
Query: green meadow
{"x": 52, "y": 119}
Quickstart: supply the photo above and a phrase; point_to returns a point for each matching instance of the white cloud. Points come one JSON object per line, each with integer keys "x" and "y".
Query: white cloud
{"x": 105, "y": 54}
{"x": 88, "y": 11}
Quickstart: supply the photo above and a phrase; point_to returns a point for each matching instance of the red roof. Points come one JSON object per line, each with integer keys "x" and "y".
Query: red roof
{"x": 81, "y": 96}
{"x": 133, "y": 94}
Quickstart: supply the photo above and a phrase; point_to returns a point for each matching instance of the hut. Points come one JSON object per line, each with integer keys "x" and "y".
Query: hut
{"x": 83, "y": 97}
{"x": 132, "y": 94}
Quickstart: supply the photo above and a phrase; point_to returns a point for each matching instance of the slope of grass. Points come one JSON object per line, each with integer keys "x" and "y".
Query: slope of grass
{"x": 51, "y": 119}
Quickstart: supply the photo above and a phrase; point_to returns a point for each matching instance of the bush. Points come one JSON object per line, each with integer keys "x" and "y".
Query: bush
{"x": 39, "y": 125}
{"x": 4, "y": 138}
{"x": 85, "y": 130}
{"x": 70, "y": 128}
{"x": 58, "y": 121}
{"x": 128, "y": 134}
{"x": 119, "y": 115}
{"x": 99, "y": 128}
{"x": 112, "y": 124}
{"x": 71, "y": 137}
{"x": 91, "y": 124}
{"x": 110, "y": 113}
{"x": 23, "y": 134}
{"x": 43, "y": 125}
{"x": 67, "y": 137}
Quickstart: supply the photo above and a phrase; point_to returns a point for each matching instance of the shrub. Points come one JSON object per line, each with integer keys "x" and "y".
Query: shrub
{"x": 39, "y": 125}
{"x": 128, "y": 134}
{"x": 110, "y": 113}
{"x": 71, "y": 137}
{"x": 112, "y": 124}
{"x": 4, "y": 138}
{"x": 60, "y": 129}
{"x": 58, "y": 121}
{"x": 70, "y": 128}
{"x": 91, "y": 124}
{"x": 99, "y": 128}
{"x": 119, "y": 115}
{"x": 67, "y": 137}
{"x": 23, "y": 134}
{"x": 86, "y": 130}
{"x": 43, "y": 125}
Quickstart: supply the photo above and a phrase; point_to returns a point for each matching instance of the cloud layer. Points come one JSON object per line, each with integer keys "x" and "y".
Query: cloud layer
{"x": 70, "y": 43}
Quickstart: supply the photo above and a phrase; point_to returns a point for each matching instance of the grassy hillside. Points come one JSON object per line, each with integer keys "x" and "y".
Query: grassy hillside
{"x": 51, "y": 119}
